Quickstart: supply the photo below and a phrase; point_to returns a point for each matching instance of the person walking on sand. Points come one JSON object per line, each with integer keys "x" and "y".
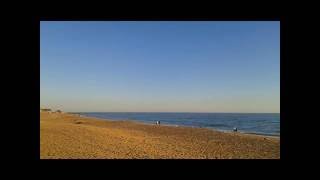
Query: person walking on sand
{"x": 235, "y": 129}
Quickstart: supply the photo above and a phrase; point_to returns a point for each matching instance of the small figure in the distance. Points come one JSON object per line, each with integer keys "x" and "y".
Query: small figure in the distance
{"x": 158, "y": 122}
{"x": 235, "y": 129}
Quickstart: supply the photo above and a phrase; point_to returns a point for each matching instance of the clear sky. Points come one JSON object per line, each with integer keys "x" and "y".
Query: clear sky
{"x": 160, "y": 66}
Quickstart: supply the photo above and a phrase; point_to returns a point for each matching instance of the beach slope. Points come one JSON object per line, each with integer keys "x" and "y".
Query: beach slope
{"x": 69, "y": 136}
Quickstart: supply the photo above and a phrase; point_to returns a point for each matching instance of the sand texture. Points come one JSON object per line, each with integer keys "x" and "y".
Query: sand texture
{"x": 68, "y": 136}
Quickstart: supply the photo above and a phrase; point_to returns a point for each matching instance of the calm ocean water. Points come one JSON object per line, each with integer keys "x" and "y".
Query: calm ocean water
{"x": 257, "y": 123}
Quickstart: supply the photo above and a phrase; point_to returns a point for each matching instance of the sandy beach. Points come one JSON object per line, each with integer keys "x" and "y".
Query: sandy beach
{"x": 69, "y": 136}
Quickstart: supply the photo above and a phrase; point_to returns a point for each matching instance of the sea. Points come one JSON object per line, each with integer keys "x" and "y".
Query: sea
{"x": 252, "y": 123}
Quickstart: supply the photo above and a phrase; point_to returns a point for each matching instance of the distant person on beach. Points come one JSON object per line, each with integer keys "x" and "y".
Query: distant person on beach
{"x": 235, "y": 129}
{"x": 158, "y": 122}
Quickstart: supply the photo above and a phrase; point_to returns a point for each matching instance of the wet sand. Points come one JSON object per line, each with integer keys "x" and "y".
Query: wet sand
{"x": 69, "y": 136}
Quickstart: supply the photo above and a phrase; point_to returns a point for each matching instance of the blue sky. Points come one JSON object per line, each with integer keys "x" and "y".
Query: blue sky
{"x": 160, "y": 66}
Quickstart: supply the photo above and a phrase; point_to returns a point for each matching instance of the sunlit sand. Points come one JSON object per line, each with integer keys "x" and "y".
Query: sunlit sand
{"x": 69, "y": 136}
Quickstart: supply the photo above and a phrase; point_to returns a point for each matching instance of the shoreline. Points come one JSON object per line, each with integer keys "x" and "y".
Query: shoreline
{"x": 174, "y": 125}
{"x": 69, "y": 136}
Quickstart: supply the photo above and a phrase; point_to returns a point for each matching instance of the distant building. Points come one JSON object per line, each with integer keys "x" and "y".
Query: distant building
{"x": 45, "y": 110}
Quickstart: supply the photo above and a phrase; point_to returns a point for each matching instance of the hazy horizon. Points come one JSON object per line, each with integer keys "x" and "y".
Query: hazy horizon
{"x": 58, "y": 108}
{"x": 213, "y": 67}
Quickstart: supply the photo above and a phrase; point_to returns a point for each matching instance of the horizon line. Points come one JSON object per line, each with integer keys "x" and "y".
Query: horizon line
{"x": 165, "y": 112}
